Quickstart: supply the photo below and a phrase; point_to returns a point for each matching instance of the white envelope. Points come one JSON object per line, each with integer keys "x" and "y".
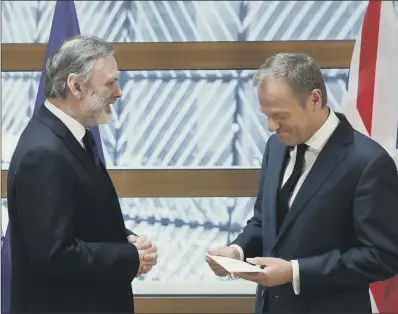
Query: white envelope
{"x": 234, "y": 265}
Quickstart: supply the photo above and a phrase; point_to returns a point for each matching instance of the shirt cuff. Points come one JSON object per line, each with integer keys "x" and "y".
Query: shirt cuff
{"x": 241, "y": 255}
{"x": 296, "y": 277}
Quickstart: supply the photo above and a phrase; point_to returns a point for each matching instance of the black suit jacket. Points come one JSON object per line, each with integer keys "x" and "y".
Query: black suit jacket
{"x": 69, "y": 245}
{"x": 342, "y": 226}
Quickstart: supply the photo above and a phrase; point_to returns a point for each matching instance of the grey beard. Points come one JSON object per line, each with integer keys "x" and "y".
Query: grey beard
{"x": 91, "y": 111}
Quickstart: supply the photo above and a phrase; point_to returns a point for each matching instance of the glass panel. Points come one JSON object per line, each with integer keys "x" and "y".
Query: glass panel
{"x": 169, "y": 118}
{"x": 170, "y": 21}
{"x": 184, "y": 229}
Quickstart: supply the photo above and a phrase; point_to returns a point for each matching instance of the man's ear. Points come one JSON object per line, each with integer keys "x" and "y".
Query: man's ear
{"x": 75, "y": 88}
{"x": 316, "y": 98}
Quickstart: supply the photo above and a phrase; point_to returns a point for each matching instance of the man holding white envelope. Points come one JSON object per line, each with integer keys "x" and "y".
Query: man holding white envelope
{"x": 325, "y": 221}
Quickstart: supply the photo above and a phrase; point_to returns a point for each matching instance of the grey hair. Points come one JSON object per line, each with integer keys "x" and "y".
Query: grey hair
{"x": 298, "y": 70}
{"x": 76, "y": 56}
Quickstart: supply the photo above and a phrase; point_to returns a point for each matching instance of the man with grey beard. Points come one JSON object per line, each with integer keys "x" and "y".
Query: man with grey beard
{"x": 70, "y": 249}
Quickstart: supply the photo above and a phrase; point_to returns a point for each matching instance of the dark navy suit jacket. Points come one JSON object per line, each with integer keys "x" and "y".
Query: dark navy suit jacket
{"x": 68, "y": 240}
{"x": 342, "y": 226}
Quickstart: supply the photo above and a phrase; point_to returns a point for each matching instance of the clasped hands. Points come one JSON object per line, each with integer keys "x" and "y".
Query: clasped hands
{"x": 276, "y": 271}
{"x": 147, "y": 252}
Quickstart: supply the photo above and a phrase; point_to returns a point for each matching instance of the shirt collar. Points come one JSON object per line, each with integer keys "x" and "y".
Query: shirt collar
{"x": 319, "y": 139}
{"x": 74, "y": 126}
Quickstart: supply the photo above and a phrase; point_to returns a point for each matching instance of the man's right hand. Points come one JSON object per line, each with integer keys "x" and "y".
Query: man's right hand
{"x": 230, "y": 252}
{"x": 148, "y": 259}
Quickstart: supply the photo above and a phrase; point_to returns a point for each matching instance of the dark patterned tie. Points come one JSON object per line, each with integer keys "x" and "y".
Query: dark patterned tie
{"x": 287, "y": 190}
{"x": 89, "y": 143}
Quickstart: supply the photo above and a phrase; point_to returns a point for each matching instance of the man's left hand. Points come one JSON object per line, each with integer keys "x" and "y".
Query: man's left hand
{"x": 143, "y": 243}
{"x": 276, "y": 271}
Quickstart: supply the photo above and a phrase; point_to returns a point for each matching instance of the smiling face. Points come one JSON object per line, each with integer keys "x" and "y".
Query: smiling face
{"x": 294, "y": 118}
{"x": 92, "y": 99}
{"x": 101, "y": 92}
{"x": 292, "y": 94}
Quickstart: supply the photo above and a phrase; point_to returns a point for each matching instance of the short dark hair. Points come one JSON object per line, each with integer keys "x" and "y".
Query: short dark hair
{"x": 298, "y": 70}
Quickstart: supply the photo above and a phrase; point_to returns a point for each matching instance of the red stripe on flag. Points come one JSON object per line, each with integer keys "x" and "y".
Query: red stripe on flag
{"x": 379, "y": 290}
{"x": 367, "y": 63}
{"x": 385, "y": 295}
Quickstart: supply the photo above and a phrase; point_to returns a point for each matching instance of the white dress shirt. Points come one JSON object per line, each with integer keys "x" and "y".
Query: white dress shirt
{"x": 315, "y": 145}
{"x": 76, "y": 128}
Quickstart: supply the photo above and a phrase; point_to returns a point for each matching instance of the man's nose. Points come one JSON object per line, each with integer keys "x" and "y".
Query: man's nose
{"x": 118, "y": 92}
{"x": 272, "y": 125}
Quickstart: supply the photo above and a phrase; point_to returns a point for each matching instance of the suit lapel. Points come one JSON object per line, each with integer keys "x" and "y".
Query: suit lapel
{"x": 62, "y": 131}
{"x": 100, "y": 175}
{"x": 82, "y": 155}
{"x": 329, "y": 158}
{"x": 44, "y": 115}
{"x": 274, "y": 174}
